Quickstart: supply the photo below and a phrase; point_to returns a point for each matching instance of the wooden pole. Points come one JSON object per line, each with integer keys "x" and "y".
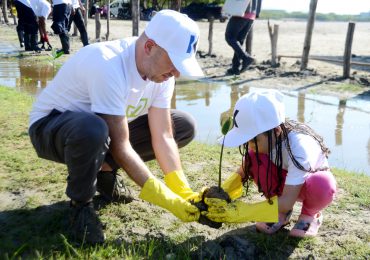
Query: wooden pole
{"x": 5, "y": 11}
{"x": 97, "y": 26}
{"x": 326, "y": 59}
{"x": 108, "y": 21}
{"x": 210, "y": 35}
{"x": 348, "y": 50}
{"x": 273, "y": 38}
{"x": 308, "y": 36}
{"x": 249, "y": 41}
{"x": 86, "y": 16}
{"x": 135, "y": 17}
{"x": 75, "y": 33}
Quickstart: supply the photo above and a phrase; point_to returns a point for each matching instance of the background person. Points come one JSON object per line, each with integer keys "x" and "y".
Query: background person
{"x": 27, "y": 25}
{"x": 42, "y": 9}
{"x": 77, "y": 16}
{"x": 237, "y": 29}
{"x": 284, "y": 158}
{"x": 116, "y": 113}
{"x": 61, "y": 12}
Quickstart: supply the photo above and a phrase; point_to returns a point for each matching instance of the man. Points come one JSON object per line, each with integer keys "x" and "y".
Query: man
{"x": 61, "y": 12}
{"x": 236, "y": 31}
{"x": 116, "y": 111}
{"x": 78, "y": 11}
{"x": 42, "y": 9}
{"x": 27, "y": 28}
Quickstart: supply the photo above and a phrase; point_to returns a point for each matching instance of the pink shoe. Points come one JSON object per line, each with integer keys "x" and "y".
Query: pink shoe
{"x": 307, "y": 226}
{"x": 271, "y": 228}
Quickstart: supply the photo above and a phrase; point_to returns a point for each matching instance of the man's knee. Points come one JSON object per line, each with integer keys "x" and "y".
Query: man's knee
{"x": 184, "y": 127}
{"x": 92, "y": 130}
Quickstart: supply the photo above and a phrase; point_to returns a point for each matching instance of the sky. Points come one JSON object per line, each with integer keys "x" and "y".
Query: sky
{"x": 323, "y": 6}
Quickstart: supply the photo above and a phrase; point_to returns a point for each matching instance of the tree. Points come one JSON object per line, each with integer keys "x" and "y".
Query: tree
{"x": 5, "y": 11}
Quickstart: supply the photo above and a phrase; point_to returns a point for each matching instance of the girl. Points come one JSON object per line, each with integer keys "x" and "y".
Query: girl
{"x": 284, "y": 158}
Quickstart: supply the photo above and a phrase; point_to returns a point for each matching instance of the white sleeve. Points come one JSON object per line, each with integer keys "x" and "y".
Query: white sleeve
{"x": 45, "y": 9}
{"x": 163, "y": 95}
{"x": 307, "y": 152}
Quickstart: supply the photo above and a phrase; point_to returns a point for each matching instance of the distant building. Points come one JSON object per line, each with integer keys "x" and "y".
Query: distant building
{"x": 365, "y": 15}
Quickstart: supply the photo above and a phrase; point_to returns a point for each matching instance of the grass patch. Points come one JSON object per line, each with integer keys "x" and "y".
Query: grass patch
{"x": 33, "y": 209}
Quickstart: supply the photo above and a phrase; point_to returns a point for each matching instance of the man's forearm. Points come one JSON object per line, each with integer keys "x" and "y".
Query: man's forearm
{"x": 167, "y": 154}
{"x": 131, "y": 162}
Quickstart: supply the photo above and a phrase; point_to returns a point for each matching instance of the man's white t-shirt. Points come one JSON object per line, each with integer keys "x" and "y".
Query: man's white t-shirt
{"x": 103, "y": 78}
{"x": 58, "y": 2}
{"x": 307, "y": 152}
{"x": 75, "y": 3}
{"x": 25, "y": 2}
{"x": 41, "y": 8}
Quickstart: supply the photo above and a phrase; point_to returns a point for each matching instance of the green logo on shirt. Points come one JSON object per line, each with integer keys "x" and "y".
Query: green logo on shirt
{"x": 133, "y": 112}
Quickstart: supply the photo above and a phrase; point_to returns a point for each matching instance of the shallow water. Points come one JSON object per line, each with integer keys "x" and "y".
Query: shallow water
{"x": 344, "y": 124}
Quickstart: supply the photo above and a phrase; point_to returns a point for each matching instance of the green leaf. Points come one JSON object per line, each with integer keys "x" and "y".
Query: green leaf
{"x": 226, "y": 127}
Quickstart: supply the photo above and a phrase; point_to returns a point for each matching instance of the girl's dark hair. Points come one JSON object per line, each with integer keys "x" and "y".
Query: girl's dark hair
{"x": 286, "y": 127}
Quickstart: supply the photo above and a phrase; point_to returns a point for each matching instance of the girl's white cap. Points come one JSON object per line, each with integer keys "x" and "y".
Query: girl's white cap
{"x": 255, "y": 113}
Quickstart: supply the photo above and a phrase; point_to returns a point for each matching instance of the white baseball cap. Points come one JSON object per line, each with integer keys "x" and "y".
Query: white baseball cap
{"x": 255, "y": 113}
{"x": 178, "y": 35}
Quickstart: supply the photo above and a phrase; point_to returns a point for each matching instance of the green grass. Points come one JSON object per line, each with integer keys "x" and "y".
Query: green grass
{"x": 33, "y": 209}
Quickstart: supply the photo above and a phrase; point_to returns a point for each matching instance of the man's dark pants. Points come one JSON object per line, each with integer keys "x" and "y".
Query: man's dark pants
{"x": 236, "y": 31}
{"x": 61, "y": 13}
{"x": 81, "y": 141}
{"x": 77, "y": 18}
{"x": 27, "y": 22}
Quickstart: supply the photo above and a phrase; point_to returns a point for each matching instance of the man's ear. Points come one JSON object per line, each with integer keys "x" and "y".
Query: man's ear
{"x": 148, "y": 46}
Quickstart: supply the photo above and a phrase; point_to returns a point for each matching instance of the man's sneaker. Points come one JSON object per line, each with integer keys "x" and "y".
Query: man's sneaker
{"x": 111, "y": 187}
{"x": 233, "y": 71}
{"x": 85, "y": 224}
{"x": 246, "y": 63}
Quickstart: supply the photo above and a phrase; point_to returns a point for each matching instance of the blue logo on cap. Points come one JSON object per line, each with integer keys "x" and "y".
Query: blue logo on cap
{"x": 192, "y": 44}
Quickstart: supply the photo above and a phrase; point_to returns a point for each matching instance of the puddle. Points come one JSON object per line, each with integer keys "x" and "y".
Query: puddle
{"x": 344, "y": 125}
{"x": 22, "y": 74}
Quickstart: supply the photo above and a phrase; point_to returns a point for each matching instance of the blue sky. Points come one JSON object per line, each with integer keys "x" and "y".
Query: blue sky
{"x": 323, "y": 6}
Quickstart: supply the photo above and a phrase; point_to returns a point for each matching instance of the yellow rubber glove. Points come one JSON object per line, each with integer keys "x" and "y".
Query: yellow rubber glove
{"x": 178, "y": 183}
{"x": 159, "y": 194}
{"x": 233, "y": 186}
{"x": 238, "y": 211}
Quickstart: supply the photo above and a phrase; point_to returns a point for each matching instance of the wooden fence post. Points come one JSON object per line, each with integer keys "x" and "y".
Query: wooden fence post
{"x": 97, "y": 26}
{"x": 210, "y": 36}
{"x": 5, "y": 11}
{"x": 75, "y": 32}
{"x": 249, "y": 42}
{"x": 348, "y": 50}
{"x": 108, "y": 21}
{"x": 273, "y": 38}
{"x": 308, "y": 36}
{"x": 87, "y": 11}
{"x": 135, "y": 11}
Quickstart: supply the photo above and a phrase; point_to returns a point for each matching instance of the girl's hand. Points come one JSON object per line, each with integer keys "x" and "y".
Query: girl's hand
{"x": 239, "y": 212}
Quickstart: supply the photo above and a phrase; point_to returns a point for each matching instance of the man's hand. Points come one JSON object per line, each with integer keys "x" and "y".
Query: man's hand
{"x": 157, "y": 193}
{"x": 238, "y": 211}
{"x": 83, "y": 10}
{"x": 178, "y": 183}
